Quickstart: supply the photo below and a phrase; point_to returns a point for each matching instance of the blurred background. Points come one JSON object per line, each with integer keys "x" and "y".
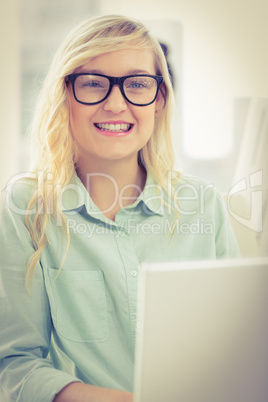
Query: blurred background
{"x": 218, "y": 55}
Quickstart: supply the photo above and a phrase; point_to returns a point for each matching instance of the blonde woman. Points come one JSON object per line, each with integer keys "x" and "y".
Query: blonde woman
{"x": 102, "y": 198}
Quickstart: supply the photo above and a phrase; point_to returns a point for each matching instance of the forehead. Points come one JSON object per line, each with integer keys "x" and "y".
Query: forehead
{"x": 121, "y": 62}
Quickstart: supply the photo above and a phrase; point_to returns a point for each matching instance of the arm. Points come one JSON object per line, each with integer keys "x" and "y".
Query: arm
{"x": 26, "y": 373}
{"x": 88, "y": 393}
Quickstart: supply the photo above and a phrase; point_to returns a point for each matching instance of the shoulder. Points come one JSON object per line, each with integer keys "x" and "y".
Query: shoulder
{"x": 201, "y": 204}
{"x": 199, "y": 197}
{"x": 190, "y": 188}
{"x": 18, "y": 192}
{"x": 194, "y": 182}
{"x": 14, "y": 208}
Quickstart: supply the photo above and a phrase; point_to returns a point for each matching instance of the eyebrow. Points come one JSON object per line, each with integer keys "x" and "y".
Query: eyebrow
{"x": 130, "y": 72}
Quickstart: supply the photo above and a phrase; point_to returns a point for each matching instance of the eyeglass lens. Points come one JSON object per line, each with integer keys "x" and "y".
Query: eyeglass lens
{"x": 93, "y": 88}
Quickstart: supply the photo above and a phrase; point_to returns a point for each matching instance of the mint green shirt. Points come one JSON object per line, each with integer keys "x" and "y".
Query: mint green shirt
{"x": 81, "y": 325}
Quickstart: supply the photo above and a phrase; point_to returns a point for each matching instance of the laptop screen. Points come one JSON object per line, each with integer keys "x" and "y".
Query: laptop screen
{"x": 203, "y": 332}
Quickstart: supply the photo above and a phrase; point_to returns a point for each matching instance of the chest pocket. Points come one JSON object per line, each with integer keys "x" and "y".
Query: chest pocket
{"x": 78, "y": 305}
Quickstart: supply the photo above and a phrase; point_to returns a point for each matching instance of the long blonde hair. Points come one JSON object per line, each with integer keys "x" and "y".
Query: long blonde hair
{"x": 54, "y": 150}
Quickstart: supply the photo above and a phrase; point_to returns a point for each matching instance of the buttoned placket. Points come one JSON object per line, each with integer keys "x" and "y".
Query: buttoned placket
{"x": 130, "y": 261}
{"x": 126, "y": 249}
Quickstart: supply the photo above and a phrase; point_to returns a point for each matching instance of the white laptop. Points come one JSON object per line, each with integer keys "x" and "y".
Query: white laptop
{"x": 203, "y": 333}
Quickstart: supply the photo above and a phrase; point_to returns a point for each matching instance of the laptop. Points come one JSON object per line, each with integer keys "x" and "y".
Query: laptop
{"x": 203, "y": 332}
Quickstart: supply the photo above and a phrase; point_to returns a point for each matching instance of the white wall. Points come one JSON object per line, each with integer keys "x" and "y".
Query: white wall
{"x": 223, "y": 39}
{"x": 10, "y": 90}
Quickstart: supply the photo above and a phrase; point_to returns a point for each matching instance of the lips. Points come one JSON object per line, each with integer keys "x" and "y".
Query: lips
{"x": 116, "y": 127}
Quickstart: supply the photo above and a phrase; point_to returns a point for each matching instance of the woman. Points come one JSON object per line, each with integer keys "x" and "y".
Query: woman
{"x": 102, "y": 198}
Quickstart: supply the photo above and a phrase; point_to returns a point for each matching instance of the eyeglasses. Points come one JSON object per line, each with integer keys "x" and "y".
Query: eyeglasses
{"x": 91, "y": 89}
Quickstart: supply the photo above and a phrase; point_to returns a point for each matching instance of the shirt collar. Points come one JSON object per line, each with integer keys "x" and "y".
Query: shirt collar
{"x": 152, "y": 196}
{"x": 75, "y": 197}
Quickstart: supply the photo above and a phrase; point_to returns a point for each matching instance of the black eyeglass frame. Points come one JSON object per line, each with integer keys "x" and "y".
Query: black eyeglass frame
{"x": 116, "y": 81}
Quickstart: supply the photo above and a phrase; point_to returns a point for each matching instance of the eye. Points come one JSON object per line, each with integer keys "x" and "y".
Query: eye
{"x": 92, "y": 84}
{"x": 137, "y": 84}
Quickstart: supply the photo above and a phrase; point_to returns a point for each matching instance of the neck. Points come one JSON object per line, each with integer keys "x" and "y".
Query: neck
{"x": 112, "y": 185}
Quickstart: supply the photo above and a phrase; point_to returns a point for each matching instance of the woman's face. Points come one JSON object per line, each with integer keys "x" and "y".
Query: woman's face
{"x": 97, "y": 145}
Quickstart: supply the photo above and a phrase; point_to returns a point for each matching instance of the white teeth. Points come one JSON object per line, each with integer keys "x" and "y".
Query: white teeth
{"x": 113, "y": 127}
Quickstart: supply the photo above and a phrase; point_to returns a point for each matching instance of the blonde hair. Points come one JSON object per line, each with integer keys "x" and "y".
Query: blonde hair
{"x": 54, "y": 148}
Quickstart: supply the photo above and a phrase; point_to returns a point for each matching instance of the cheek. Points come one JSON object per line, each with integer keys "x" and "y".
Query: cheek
{"x": 78, "y": 124}
{"x": 80, "y": 115}
{"x": 147, "y": 116}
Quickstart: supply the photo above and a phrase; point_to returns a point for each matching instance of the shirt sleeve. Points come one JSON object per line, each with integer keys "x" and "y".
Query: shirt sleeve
{"x": 26, "y": 372}
{"x": 226, "y": 242}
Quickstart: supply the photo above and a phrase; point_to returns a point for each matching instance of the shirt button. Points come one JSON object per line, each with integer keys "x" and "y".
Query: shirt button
{"x": 133, "y": 273}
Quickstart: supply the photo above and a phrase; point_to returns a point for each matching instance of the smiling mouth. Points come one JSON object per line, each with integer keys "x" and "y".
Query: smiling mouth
{"x": 116, "y": 128}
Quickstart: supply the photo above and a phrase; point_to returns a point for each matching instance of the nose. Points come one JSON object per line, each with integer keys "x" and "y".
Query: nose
{"x": 115, "y": 102}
